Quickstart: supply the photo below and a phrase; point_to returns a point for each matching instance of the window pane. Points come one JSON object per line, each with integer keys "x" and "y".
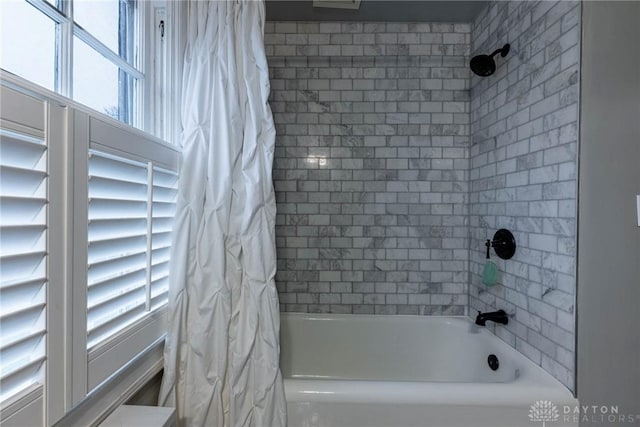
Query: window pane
{"x": 100, "y": 84}
{"x": 27, "y": 42}
{"x": 95, "y": 79}
{"x": 110, "y": 21}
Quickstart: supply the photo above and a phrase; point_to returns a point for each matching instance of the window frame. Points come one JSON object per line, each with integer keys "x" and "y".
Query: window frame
{"x": 135, "y": 86}
{"x": 68, "y": 29}
{"x": 159, "y": 41}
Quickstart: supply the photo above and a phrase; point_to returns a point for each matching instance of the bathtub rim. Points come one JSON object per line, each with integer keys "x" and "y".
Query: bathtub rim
{"x": 533, "y": 382}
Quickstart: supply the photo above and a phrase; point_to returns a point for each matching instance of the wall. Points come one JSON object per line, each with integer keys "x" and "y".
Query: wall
{"x": 609, "y": 244}
{"x": 523, "y": 175}
{"x": 371, "y": 166}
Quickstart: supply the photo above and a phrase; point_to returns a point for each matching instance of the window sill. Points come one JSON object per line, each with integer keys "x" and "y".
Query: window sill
{"x": 107, "y": 357}
{"x": 117, "y": 389}
{"x": 22, "y": 85}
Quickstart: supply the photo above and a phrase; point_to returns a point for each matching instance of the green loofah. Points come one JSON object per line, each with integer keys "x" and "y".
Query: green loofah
{"x": 490, "y": 273}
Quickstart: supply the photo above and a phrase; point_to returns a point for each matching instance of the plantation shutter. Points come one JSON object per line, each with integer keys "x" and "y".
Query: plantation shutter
{"x": 117, "y": 234}
{"x": 164, "y": 203}
{"x": 23, "y": 244}
{"x": 130, "y": 190}
{"x": 86, "y": 211}
{"x": 130, "y": 218}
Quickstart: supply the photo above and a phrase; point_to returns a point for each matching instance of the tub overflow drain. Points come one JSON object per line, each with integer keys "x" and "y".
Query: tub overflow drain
{"x": 493, "y": 361}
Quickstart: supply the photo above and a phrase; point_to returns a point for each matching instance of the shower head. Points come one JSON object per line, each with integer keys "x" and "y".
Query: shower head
{"x": 484, "y": 65}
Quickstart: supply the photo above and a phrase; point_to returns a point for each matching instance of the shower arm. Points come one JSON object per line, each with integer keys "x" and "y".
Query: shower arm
{"x": 495, "y": 52}
{"x": 503, "y": 51}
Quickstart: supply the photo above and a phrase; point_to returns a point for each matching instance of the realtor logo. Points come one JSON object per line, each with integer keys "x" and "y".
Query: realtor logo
{"x": 544, "y": 411}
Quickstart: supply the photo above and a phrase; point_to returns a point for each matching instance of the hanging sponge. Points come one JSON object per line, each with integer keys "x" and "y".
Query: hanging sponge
{"x": 490, "y": 273}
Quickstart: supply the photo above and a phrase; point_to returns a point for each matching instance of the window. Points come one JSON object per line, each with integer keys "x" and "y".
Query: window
{"x": 34, "y": 58}
{"x": 86, "y": 211}
{"x": 111, "y": 22}
{"x": 86, "y": 50}
{"x": 86, "y": 203}
{"x": 96, "y": 83}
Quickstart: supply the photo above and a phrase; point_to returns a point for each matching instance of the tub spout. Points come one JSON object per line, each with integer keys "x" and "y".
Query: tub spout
{"x": 499, "y": 316}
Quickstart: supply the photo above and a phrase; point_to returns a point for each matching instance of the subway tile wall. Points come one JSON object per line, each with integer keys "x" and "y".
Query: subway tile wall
{"x": 371, "y": 166}
{"x": 523, "y": 175}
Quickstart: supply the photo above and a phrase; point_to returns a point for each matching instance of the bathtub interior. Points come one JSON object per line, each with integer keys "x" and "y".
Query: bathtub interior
{"x": 392, "y": 348}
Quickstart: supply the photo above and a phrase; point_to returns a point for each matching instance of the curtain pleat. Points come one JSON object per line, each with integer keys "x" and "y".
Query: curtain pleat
{"x": 222, "y": 349}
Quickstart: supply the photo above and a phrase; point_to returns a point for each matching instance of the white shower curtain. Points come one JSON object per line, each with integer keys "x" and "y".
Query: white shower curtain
{"x": 222, "y": 349}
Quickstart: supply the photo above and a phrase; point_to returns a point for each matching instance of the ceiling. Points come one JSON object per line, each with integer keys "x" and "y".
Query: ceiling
{"x": 377, "y": 10}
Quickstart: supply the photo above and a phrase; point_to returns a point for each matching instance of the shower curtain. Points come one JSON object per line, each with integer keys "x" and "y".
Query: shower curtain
{"x": 222, "y": 348}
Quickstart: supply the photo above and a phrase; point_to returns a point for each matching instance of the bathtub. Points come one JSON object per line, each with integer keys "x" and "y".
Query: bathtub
{"x": 396, "y": 371}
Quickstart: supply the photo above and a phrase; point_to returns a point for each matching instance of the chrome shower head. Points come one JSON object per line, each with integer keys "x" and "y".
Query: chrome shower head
{"x": 485, "y": 65}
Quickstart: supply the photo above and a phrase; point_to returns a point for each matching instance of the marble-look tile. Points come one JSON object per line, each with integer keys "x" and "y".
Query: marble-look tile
{"x": 534, "y": 92}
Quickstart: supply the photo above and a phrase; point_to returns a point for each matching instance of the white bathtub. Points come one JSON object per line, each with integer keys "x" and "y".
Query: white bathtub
{"x": 395, "y": 371}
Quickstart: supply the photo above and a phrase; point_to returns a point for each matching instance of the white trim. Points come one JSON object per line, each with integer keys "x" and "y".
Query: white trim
{"x": 149, "y": 235}
{"x": 26, "y": 410}
{"x": 175, "y": 30}
{"x": 18, "y": 128}
{"x": 157, "y": 79}
{"x": 78, "y": 312}
{"x": 117, "y": 389}
{"x": 141, "y": 98}
{"x": 22, "y": 85}
{"x": 59, "y": 263}
{"x": 65, "y": 60}
{"x": 110, "y": 358}
{"x": 163, "y": 81}
{"x": 65, "y": 55}
{"x": 110, "y": 343}
{"x": 26, "y": 112}
{"x": 49, "y": 10}
{"x": 124, "y": 141}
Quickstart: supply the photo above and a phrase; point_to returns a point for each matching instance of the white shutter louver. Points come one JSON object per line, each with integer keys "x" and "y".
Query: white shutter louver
{"x": 117, "y": 235}
{"x": 164, "y": 202}
{"x": 23, "y": 261}
{"x": 131, "y": 206}
{"x": 86, "y": 210}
